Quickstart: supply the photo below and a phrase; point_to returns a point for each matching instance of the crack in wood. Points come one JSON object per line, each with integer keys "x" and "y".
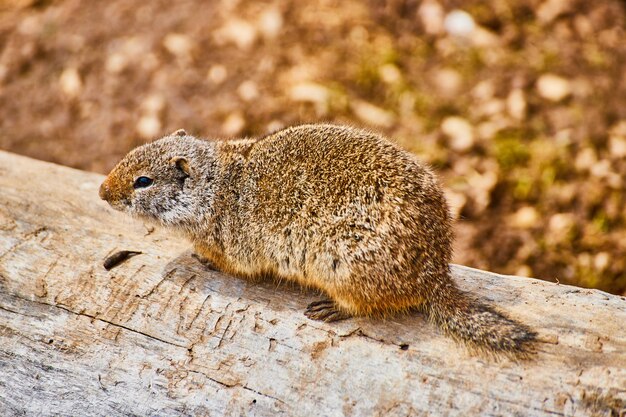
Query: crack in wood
{"x": 156, "y": 287}
{"x": 27, "y": 237}
{"x": 217, "y": 381}
{"x": 12, "y": 311}
{"x": 237, "y": 385}
{"x": 263, "y": 394}
{"x": 93, "y": 317}
{"x": 198, "y": 312}
{"x": 187, "y": 281}
{"x": 43, "y": 284}
{"x": 219, "y": 344}
{"x": 100, "y": 382}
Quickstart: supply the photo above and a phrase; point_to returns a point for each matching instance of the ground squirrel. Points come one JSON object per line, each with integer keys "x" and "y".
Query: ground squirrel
{"x": 331, "y": 207}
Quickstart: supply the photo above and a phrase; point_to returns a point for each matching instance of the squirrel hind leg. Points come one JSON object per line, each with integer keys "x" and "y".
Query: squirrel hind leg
{"x": 325, "y": 310}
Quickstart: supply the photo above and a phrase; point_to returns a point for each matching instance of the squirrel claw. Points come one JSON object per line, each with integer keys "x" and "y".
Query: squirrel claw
{"x": 325, "y": 310}
{"x": 205, "y": 262}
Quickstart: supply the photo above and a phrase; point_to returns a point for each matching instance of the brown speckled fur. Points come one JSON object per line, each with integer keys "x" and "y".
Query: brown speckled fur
{"x": 336, "y": 208}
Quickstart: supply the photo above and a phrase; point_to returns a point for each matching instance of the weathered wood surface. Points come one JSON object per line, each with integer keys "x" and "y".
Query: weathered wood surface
{"x": 160, "y": 335}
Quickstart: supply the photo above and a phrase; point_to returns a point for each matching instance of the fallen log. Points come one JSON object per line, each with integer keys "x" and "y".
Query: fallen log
{"x": 159, "y": 334}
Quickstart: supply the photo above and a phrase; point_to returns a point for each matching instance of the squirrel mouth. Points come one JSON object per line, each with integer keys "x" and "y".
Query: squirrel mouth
{"x": 120, "y": 205}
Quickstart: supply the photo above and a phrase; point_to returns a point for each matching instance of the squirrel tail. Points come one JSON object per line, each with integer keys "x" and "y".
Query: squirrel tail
{"x": 479, "y": 326}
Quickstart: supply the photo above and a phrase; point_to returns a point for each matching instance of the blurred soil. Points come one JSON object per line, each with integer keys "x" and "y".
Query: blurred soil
{"x": 521, "y": 107}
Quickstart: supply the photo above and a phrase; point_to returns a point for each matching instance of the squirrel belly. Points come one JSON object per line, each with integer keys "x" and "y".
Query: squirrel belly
{"x": 331, "y": 207}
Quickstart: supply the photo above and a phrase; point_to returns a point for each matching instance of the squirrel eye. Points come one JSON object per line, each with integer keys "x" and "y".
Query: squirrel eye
{"x": 142, "y": 182}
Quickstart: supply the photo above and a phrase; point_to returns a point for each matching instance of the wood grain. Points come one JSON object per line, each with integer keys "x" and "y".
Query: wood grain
{"x": 161, "y": 335}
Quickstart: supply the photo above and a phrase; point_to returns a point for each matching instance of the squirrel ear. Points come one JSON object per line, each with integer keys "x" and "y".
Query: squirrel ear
{"x": 182, "y": 164}
{"x": 179, "y": 132}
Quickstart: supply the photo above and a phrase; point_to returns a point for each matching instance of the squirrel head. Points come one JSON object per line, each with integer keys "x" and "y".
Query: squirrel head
{"x": 168, "y": 181}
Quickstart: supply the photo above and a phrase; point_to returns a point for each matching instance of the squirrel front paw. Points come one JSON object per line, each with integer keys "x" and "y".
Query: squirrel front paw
{"x": 206, "y": 262}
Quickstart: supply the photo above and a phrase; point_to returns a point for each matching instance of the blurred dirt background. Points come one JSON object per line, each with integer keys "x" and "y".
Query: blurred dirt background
{"x": 519, "y": 104}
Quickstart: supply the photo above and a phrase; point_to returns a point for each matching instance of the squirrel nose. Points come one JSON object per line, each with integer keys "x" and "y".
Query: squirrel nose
{"x": 104, "y": 192}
